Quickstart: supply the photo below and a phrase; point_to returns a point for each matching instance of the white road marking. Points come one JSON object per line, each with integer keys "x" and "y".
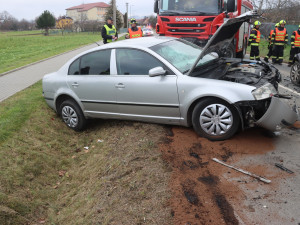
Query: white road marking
{"x": 288, "y": 89}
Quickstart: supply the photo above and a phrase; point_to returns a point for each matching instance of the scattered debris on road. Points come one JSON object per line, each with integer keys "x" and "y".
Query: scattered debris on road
{"x": 243, "y": 171}
{"x": 283, "y": 168}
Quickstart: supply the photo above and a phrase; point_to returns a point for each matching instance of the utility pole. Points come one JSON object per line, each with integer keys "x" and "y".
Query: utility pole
{"x": 114, "y": 12}
{"x": 127, "y": 25}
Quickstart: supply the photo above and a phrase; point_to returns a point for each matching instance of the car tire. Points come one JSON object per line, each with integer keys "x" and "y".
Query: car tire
{"x": 230, "y": 51}
{"x": 72, "y": 115}
{"x": 295, "y": 73}
{"x": 215, "y": 119}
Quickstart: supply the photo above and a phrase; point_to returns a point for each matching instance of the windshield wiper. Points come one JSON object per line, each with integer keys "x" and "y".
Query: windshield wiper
{"x": 170, "y": 13}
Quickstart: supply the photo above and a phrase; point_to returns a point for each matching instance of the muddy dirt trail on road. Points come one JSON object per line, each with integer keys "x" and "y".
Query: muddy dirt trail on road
{"x": 200, "y": 192}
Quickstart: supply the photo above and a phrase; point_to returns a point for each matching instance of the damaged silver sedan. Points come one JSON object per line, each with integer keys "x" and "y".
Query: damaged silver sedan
{"x": 170, "y": 81}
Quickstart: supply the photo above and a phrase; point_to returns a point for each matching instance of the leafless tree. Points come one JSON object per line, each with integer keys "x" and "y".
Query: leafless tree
{"x": 276, "y": 10}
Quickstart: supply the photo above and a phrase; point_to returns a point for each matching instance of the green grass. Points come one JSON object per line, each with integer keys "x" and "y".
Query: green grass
{"x": 46, "y": 175}
{"x": 20, "y": 48}
{"x": 263, "y": 50}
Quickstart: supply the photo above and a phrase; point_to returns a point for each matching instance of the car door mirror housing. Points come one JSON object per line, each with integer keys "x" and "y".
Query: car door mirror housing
{"x": 157, "y": 71}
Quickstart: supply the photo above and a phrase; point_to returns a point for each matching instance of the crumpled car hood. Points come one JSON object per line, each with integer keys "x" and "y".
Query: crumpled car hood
{"x": 224, "y": 36}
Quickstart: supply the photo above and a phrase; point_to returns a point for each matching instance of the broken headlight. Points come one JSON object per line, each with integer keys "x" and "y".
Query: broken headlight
{"x": 265, "y": 91}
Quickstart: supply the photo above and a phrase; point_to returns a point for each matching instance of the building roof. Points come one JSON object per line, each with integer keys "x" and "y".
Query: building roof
{"x": 86, "y": 7}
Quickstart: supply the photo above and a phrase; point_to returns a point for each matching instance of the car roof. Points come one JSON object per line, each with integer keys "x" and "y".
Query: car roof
{"x": 143, "y": 42}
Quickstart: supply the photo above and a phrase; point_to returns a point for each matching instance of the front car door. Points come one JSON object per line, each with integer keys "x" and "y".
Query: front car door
{"x": 141, "y": 97}
{"x": 89, "y": 78}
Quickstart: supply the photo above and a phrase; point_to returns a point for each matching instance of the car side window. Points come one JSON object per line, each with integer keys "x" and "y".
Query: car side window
{"x": 135, "y": 62}
{"x": 94, "y": 63}
{"x": 74, "y": 67}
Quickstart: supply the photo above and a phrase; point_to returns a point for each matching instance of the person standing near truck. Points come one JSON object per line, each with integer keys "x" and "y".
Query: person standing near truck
{"x": 270, "y": 46}
{"x": 254, "y": 41}
{"x": 134, "y": 31}
{"x": 279, "y": 39}
{"x": 295, "y": 45}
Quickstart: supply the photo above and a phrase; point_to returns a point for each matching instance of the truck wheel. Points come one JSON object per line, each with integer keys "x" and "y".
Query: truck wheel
{"x": 295, "y": 73}
{"x": 215, "y": 119}
{"x": 230, "y": 52}
{"x": 72, "y": 115}
{"x": 242, "y": 53}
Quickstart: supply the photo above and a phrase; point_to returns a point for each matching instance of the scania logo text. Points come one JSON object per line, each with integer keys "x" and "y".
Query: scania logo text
{"x": 185, "y": 19}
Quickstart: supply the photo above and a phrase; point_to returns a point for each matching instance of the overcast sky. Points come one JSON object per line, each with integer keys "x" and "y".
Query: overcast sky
{"x": 30, "y": 9}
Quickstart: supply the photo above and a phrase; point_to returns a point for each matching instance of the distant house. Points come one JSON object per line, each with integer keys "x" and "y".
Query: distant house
{"x": 88, "y": 12}
{"x": 64, "y": 22}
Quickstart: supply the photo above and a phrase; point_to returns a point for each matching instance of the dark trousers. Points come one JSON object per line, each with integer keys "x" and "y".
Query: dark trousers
{"x": 254, "y": 53}
{"x": 270, "y": 53}
{"x": 277, "y": 56}
{"x": 293, "y": 52}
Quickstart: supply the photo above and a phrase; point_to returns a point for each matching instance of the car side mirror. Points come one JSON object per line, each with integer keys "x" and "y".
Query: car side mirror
{"x": 157, "y": 71}
{"x": 231, "y": 6}
{"x": 156, "y": 6}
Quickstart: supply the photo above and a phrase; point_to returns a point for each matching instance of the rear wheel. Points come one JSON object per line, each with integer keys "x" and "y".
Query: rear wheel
{"x": 72, "y": 115}
{"x": 295, "y": 73}
{"x": 215, "y": 119}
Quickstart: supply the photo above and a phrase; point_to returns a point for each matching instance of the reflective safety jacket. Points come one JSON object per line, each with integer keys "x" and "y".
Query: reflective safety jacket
{"x": 270, "y": 36}
{"x": 135, "y": 34}
{"x": 280, "y": 36}
{"x": 295, "y": 39}
{"x": 254, "y": 37}
{"x": 110, "y": 31}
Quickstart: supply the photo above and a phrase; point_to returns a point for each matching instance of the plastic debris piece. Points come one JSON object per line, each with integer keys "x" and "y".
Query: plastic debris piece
{"x": 283, "y": 168}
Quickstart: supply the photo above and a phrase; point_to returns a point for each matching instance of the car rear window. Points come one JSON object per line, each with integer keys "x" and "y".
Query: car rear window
{"x": 94, "y": 63}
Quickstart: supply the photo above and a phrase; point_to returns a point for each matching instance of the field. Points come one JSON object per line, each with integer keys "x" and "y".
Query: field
{"x": 21, "y": 48}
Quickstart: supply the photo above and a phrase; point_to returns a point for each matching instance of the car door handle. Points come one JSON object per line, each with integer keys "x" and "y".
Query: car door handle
{"x": 120, "y": 85}
{"x": 75, "y": 84}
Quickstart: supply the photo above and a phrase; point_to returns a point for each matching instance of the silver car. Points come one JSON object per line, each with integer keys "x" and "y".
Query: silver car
{"x": 170, "y": 81}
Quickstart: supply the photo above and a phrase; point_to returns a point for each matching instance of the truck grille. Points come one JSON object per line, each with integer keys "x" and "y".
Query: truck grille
{"x": 187, "y": 30}
{"x": 185, "y": 25}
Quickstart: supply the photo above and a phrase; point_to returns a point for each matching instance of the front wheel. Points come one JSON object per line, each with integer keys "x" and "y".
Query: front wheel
{"x": 215, "y": 119}
{"x": 295, "y": 73}
{"x": 230, "y": 51}
{"x": 72, "y": 115}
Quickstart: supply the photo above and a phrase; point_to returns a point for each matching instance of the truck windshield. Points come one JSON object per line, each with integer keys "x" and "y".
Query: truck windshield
{"x": 193, "y": 6}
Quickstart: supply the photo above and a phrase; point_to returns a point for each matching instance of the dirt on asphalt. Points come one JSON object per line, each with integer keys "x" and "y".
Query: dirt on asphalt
{"x": 201, "y": 193}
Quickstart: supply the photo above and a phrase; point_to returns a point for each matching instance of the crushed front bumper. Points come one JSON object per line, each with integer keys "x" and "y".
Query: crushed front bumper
{"x": 279, "y": 114}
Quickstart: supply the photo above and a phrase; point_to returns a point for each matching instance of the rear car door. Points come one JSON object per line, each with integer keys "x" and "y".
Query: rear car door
{"x": 89, "y": 78}
{"x": 141, "y": 97}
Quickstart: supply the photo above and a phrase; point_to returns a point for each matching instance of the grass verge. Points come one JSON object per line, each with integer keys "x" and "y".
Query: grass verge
{"x": 19, "y": 48}
{"x": 47, "y": 176}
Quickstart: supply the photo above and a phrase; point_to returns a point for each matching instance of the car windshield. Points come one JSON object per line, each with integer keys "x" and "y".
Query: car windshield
{"x": 146, "y": 29}
{"x": 204, "y": 6}
{"x": 182, "y": 54}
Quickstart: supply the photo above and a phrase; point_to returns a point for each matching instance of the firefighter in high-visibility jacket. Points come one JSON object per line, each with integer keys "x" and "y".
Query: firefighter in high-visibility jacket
{"x": 134, "y": 31}
{"x": 270, "y": 45}
{"x": 279, "y": 39}
{"x": 254, "y": 41}
{"x": 295, "y": 45}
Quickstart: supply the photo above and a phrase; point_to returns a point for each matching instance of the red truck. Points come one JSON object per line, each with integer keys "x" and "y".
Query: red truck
{"x": 197, "y": 20}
